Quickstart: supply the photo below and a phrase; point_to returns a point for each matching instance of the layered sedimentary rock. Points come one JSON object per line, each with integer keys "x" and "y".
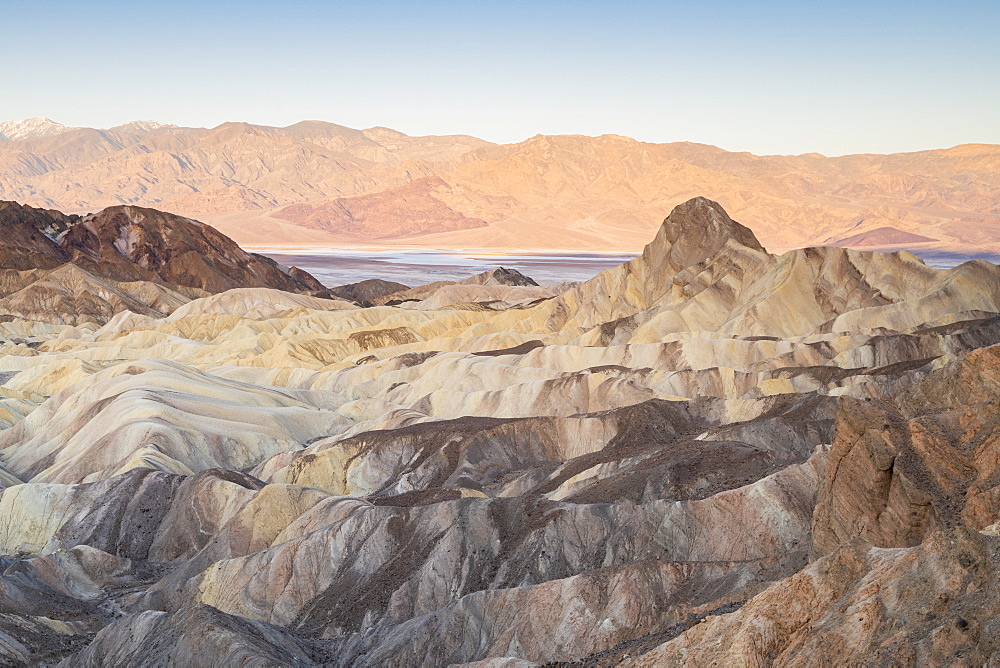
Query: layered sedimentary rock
{"x": 932, "y": 604}
{"x": 708, "y": 454}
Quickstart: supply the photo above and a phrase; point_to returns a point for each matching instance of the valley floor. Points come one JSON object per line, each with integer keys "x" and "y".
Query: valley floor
{"x": 337, "y": 266}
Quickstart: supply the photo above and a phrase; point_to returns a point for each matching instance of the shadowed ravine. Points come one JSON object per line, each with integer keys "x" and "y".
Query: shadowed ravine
{"x": 709, "y": 455}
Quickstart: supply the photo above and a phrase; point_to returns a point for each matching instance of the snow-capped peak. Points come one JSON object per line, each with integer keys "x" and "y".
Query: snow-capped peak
{"x": 35, "y": 128}
{"x": 142, "y": 126}
{"x": 31, "y": 128}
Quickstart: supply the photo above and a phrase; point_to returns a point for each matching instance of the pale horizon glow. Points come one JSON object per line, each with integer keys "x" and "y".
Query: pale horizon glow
{"x": 768, "y": 78}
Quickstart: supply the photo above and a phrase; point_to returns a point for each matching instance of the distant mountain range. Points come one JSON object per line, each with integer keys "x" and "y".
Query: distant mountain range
{"x": 39, "y": 128}
{"x": 317, "y": 182}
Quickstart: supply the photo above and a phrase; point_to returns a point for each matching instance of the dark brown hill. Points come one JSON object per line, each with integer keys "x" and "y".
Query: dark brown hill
{"x": 117, "y": 253}
{"x": 368, "y": 290}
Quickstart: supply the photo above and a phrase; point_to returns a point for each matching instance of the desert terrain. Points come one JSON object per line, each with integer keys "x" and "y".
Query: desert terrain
{"x": 708, "y": 455}
{"x": 323, "y": 184}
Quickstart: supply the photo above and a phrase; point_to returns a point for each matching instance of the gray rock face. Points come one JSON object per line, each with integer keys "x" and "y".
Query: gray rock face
{"x": 197, "y": 636}
{"x": 698, "y": 457}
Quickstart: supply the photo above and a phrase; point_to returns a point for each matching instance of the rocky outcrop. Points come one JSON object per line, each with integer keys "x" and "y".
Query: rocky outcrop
{"x": 29, "y": 235}
{"x": 131, "y": 242}
{"x": 915, "y": 462}
{"x": 935, "y": 604}
{"x": 499, "y": 276}
{"x": 706, "y": 273}
{"x": 368, "y": 290}
{"x": 72, "y": 269}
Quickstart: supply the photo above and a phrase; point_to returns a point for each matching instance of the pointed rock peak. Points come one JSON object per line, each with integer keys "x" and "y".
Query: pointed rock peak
{"x": 696, "y": 230}
{"x": 500, "y": 276}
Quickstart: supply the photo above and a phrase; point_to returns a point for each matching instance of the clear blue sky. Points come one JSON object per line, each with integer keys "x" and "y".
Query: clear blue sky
{"x": 766, "y": 77}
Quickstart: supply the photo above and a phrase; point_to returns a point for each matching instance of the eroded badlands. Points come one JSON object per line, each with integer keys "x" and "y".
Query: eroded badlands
{"x": 708, "y": 454}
